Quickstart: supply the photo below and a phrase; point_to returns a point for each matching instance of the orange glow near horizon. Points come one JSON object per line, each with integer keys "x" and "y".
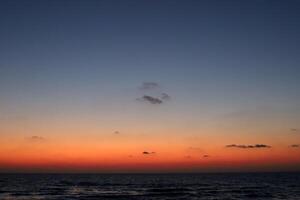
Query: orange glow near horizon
{"x": 67, "y": 144}
{"x": 123, "y": 155}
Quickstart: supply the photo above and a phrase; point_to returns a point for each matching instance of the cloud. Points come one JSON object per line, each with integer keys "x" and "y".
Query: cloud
{"x": 165, "y": 96}
{"x": 150, "y": 99}
{"x": 35, "y": 138}
{"x": 148, "y": 152}
{"x": 116, "y": 132}
{"x": 295, "y": 145}
{"x": 149, "y": 86}
{"x": 248, "y": 146}
{"x": 205, "y": 156}
{"x": 155, "y": 97}
{"x": 294, "y": 130}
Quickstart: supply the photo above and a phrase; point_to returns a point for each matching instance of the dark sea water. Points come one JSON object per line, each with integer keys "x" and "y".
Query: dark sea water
{"x": 150, "y": 186}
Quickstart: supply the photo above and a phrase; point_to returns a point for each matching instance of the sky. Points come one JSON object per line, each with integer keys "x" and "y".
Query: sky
{"x": 149, "y": 86}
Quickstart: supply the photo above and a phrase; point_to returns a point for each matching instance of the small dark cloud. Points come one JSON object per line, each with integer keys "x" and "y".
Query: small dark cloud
{"x": 150, "y": 99}
{"x": 248, "y": 146}
{"x": 295, "y": 145}
{"x": 205, "y": 156}
{"x": 148, "y": 152}
{"x": 165, "y": 96}
{"x": 294, "y": 130}
{"x": 116, "y": 132}
{"x": 149, "y": 86}
{"x": 36, "y": 138}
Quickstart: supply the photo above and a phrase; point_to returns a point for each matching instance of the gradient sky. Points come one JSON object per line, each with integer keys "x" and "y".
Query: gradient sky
{"x": 82, "y": 83}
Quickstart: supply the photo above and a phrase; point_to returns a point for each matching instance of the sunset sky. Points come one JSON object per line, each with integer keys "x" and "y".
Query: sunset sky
{"x": 149, "y": 86}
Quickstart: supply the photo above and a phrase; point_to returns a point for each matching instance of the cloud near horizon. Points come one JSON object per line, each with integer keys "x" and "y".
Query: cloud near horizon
{"x": 148, "y": 152}
{"x": 295, "y": 145}
{"x": 36, "y": 138}
{"x": 248, "y": 146}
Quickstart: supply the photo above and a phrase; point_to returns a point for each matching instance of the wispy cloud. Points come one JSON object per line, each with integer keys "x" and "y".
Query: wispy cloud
{"x": 248, "y": 146}
{"x": 149, "y": 86}
{"x": 150, "y": 99}
{"x": 148, "y": 152}
{"x": 294, "y": 130}
{"x": 206, "y": 156}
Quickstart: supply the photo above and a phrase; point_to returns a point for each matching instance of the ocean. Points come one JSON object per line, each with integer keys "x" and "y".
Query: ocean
{"x": 150, "y": 186}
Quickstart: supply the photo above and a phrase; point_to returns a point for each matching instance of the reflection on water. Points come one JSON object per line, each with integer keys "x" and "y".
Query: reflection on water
{"x": 150, "y": 186}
